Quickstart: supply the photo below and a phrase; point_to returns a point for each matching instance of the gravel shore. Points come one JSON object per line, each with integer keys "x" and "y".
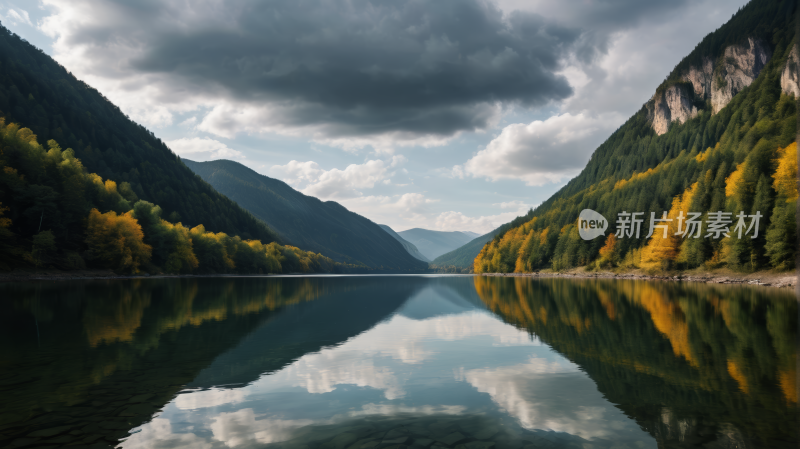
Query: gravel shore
{"x": 762, "y": 278}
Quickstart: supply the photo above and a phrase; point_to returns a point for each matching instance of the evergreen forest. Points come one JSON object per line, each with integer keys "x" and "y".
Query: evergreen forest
{"x": 734, "y": 169}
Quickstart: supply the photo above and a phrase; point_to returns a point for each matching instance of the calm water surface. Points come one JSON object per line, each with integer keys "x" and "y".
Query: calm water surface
{"x": 377, "y": 362}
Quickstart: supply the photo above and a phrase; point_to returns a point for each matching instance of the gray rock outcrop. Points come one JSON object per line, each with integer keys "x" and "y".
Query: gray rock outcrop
{"x": 740, "y": 65}
{"x": 701, "y": 78}
{"x": 717, "y": 82}
{"x": 673, "y": 105}
{"x": 790, "y": 82}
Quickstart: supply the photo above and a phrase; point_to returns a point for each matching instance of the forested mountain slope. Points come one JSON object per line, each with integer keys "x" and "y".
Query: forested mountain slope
{"x": 325, "y": 227}
{"x": 97, "y": 223}
{"x": 717, "y": 136}
{"x": 432, "y": 244}
{"x": 406, "y": 244}
{"x": 38, "y": 93}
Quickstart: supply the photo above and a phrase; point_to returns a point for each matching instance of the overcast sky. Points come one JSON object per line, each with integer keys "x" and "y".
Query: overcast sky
{"x": 441, "y": 114}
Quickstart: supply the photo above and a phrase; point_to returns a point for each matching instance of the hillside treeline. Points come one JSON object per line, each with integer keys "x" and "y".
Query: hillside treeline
{"x": 41, "y": 94}
{"x": 54, "y": 213}
{"x": 741, "y": 160}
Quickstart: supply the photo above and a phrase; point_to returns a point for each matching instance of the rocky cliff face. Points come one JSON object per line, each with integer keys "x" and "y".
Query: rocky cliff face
{"x": 790, "y": 82}
{"x": 674, "y": 104}
{"x": 701, "y": 77}
{"x": 715, "y": 81}
{"x": 740, "y": 65}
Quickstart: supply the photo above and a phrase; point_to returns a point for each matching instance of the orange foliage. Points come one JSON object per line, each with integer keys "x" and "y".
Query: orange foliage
{"x": 117, "y": 241}
{"x": 119, "y": 325}
{"x": 786, "y": 174}
{"x": 635, "y": 177}
{"x": 787, "y": 379}
{"x": 739, "y": 376}
{"x": 608, "y": 248}
{"x": 667, "y": 317}
{"x": 660, "y": 248}
{"x": 732, "y": 181}
{"x": 4, "y": 222}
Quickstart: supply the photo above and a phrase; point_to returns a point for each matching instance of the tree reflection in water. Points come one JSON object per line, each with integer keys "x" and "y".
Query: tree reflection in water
{"x": 692, "y": 363}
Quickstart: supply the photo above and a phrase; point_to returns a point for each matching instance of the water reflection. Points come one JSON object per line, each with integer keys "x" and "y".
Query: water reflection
{"x": 692, "y": 363}
{"x": 374, "y": 362}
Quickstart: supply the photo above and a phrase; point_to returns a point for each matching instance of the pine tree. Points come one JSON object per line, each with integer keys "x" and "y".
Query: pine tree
{"x": 762, "y": 204}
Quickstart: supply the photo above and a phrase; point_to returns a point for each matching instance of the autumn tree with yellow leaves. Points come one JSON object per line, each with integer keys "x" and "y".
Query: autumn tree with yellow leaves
{"x": 116, "y": 241}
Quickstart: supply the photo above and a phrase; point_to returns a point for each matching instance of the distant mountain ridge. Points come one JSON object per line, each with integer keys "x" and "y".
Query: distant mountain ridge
{"x": 433, "y": 244}
{"x": 406, "y": 244}
{"x": 304, "y": 221}
{"x": 463, "y": 256}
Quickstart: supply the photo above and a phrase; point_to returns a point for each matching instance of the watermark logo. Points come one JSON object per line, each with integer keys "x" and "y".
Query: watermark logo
{"x": 591, "y": 224}
{"x": 629, "y": 225}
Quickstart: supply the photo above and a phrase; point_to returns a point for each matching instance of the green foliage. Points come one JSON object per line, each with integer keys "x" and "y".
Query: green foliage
{"x": 781, "y": 236}
{"x": 51, "y": 189}
{"x": 44, "y": 248}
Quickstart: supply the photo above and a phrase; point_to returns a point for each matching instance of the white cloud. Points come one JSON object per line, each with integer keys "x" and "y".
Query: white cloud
{"x": 324, "y": 371}
{"x": 190, "y": 122}
{"x": 397, "y": 211}
{"x": 543, "y": 151}
{"x": 336, "y": 184}
{"x": 203, "y": 149}
{"x": 240, "y": 427}
{"x": 228, "y": 119}
{"x": 457, "y": 221}
{"x": 208, "y": 398}
{"x": 18, "y": 16}
{"x": 158, "y": 433}
{"x": 244, "y": 428}
{"x": 456, "y": 172}
{"x": 553, "y": 395}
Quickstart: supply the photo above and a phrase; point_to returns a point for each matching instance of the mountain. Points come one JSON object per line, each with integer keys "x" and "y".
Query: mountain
{"x": 432, "y": 244}
{"x": 471, "y": 234}
{"x": 463, "y": 256}
{"x": 304, "y": 221}
{"x": 406, "y": 244}
{"x": 717, "y": 136}
{"x": 37, "y": 92}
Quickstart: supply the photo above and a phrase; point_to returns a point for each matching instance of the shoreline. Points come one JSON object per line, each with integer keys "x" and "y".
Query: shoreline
{"x": 93, "y": 275}
{"x": 759, "y": 278}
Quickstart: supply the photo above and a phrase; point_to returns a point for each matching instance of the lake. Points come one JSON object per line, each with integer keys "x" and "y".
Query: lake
{"x": 372, "y": 362}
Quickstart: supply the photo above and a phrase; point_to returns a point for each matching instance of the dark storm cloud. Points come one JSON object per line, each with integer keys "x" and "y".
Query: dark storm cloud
{"x": 599, "y": 19}
{"x": 358, "y": 67}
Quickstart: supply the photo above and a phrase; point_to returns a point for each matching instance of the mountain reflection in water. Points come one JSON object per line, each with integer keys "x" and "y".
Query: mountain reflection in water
{"x": 371, "y": 362}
